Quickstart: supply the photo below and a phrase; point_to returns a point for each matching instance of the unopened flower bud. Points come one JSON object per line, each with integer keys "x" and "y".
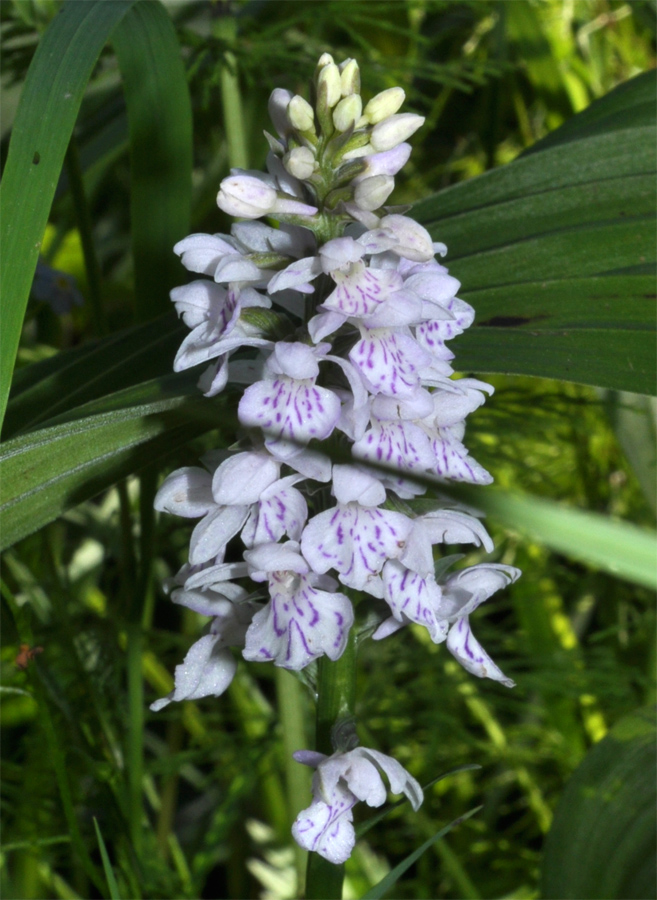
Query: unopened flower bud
{"x": 328, "y": 85}
{"x": 349, "y": 77}
{"x": 393, "y": 130}
{"x": 300, "y": 114}
{"x": 373, "y": 192}
{"x": 387, "y": 163}
{"x": 383, "y": 105}
{"x": 246, "y": 196}
{"x": 325, "y": 60}
{"x": 278, "y": 103}
{"x": 300, "y": 162}
{"x": 347, "y": 112}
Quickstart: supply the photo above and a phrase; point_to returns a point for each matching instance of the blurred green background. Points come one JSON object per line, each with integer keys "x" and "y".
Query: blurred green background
{"x": 192, "y": 802}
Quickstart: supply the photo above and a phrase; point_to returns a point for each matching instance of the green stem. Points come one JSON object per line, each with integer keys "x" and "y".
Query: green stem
{"x": 336, "y": 696}
{"x": 231, "y": 98}
{"x": 291, "y": 705}
{"x": 83, "y": 216}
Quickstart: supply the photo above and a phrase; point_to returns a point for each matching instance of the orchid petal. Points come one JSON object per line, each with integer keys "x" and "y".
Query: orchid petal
{"x": 186, "y": 492}
{"x": 465, "y": 648}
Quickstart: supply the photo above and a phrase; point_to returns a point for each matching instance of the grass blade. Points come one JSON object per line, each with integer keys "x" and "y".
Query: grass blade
{"x": 379, "y": 890}
{"x": 107, "y": 866}
{"x": 160, "y": 123}
{"x": 49, "y": 105}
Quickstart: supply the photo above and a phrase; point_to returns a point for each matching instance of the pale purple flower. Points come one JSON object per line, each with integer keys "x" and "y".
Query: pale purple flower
{"x": 444, "y": 609}
{"x": 244, "y": 490}
{"x": 288, "y": 404}
{"x": 355, "y": 538}
{"x": 301, "y": 622}
{"x": 340, "y": 781}
{"x": 209, "y": 666}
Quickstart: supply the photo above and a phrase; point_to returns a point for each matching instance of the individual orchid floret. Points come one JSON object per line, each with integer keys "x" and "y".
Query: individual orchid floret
{"x": 340, "y": 781}
{"x": 288, "y": 404}
{"x": 355, "y": 538}
{"x": 412, "y": 241}
{"x": 209, "y": 666}
{"x": 444, "y": 609}
{"x": 301, "y": 622}
{"x": 213, "y": 314}
{"x": 245, "y": 490}
{"x": 463, "y": 592}
{"x": 249, "y": 197}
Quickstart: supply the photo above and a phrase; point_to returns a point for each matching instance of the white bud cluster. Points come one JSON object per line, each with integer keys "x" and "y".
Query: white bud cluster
{"x": 335, "y": 158}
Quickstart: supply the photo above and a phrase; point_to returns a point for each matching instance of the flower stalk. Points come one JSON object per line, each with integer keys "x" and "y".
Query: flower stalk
{"x": 363, "y": 312}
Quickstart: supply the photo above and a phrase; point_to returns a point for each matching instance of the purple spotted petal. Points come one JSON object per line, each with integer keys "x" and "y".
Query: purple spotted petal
{"x": 282, "y": 510}
{"x": 452, "y": 461}
{"x": 299, "y": 625}
{"x": 403, "y": 445}
{"x": 203, "y": 301}
{"x": 388, "y": 362}
{"x": 413, "y": 598}
{"x": 355, "y": 541}
{"x": 294, "y": 410}
{"x": 362, "y": 290}
{"x": 464, "y": 646}
{"x": 327, "y": 828}
{"x": 467, "y": 589}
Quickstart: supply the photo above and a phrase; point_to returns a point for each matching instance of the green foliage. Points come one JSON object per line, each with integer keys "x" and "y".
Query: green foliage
{"x": 602, "y": 843}
{"x": 553, "y": 250}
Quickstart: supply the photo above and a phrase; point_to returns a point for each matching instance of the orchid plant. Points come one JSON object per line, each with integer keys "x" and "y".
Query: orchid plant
{"x": 347, "y": 418}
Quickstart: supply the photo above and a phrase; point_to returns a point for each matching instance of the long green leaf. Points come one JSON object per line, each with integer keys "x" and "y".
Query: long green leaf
{"x": 160, "y": 121}
{"x": 555, "y": 251}
{"x": 602, "y": 840}
{"x": 381, "y": 889}
{"x": 614, "y": 546}
{"x": 57, "y": 385}
{"x": 43, "y": 126}
{"x": 51, "y": 470}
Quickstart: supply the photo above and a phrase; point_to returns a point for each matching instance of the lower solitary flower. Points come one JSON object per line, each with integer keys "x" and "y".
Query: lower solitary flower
{"x": 339, "y": 783}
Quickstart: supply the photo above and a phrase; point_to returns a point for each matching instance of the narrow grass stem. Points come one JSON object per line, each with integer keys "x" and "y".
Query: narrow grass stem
{"x": 336, "y": 696}
{"x": 231, "y": 98}
{"x": 290, "y": 697}
{"x": 83, "y": 217}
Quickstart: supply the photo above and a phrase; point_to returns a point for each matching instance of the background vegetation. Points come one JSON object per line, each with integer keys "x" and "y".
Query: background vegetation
{"x": 194, "y": 802}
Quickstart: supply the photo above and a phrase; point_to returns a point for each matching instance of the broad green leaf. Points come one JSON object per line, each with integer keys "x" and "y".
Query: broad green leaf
{"x": 635, "y": 422}
{"x": 160, "y": 122}
{"x": 49, "y": 105}
{"x": 381, "y": 889}
{"x": 629, "y": 105}
{"x": 614, "y": 546}
{"x": 53, "y": 469}
{"x": 555, "y": 251}
{"x": 159, "y": 115}
{"x": 602, "y": 841}
{"x": 89, "y": 372}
